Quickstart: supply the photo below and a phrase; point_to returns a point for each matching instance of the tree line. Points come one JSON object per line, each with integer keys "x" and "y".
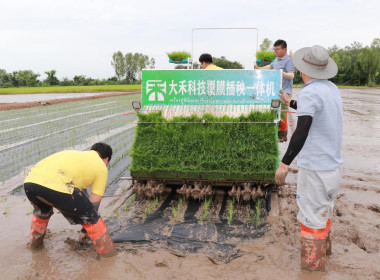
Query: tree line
{"x": 128, "y": 67}
{"x": 28, "y": 78}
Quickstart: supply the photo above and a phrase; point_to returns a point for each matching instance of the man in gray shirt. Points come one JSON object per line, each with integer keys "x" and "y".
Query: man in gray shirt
{"x": 285, "y": 63}
{"x": 317, "y": 141}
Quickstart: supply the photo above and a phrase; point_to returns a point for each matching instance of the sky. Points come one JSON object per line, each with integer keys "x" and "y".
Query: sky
{"x": 79, "y": 37}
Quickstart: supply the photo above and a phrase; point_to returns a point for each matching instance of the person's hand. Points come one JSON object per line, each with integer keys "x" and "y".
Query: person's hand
{"x": 281, "y": 174}
{"x": 284, "y": 97}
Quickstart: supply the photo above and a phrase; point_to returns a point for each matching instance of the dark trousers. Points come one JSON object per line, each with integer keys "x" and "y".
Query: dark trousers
{"x": 75, "y": 207}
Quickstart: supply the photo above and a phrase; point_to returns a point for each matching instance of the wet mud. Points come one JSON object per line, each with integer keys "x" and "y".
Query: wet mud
{"x": 248, "y": 251}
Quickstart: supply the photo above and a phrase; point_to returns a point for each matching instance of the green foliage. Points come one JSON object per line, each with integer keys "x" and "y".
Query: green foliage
{"x": 178, "y": 55}
{"x": 265, "y": 56}
{"x": 227, "y": 64}
{"x": 27, "y": 78}
{"x": 357, "y": 65}
{"x": 221, "y": 148}
{"x": 118, "y": 63}
{"x": 266, "y": 46}
{"x": 51, "y": 79}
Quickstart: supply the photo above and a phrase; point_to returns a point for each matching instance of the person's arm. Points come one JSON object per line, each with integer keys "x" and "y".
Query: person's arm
{"x": 264, "y": 67}
{"x": 95, "y": 200}
{"x": 296, "y": 143}
{"x": 287, "y": 101}
{"x": 289, "y": 75}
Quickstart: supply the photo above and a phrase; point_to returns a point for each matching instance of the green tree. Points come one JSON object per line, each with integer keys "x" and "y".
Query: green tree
{"x": 266, "y": 45}
{"x": 130, "y": 67}
{"x": 142, "y": 63}
{"x": 152, "y": 63}
{"x": 227, "y": 64}
{"x": 51, "y": 79}
{"x": 81, "y": 80}
{"x": 13, "y": 78}
{"x": 4, "y": 79}
{"x": 118, "y": 63}
{"x": 27, "y": 78}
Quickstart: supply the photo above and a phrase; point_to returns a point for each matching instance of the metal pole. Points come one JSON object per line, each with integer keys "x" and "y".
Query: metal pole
{"x": 211, "y": 28}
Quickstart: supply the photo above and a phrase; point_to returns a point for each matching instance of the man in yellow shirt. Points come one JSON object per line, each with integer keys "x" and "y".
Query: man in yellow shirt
{"x": 206, "y": 62}
{"x": 60, "y": 181}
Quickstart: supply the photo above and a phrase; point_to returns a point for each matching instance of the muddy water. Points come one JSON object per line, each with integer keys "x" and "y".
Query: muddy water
{"x": 275, "y": 255}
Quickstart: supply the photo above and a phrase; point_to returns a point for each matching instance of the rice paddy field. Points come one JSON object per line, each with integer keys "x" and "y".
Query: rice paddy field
{"x": 29, "y": 135}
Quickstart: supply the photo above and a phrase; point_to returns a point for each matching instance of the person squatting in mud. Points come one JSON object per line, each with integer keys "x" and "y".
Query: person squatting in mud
{"x": 61, "y": 181}
{"x": 317, "y": 141}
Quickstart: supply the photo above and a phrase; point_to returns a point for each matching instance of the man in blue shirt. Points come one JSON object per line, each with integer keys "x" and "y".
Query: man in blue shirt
{"x": 285, "y": 63}
{"x": 317, "y": 141}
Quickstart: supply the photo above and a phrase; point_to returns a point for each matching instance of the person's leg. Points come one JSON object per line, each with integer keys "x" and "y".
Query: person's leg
{"x": 316, "y": 192}
{"x": 80, "y": 210}
{"x": 101, "y": 238}
{"x": 41, "y": 213}
{"x": 283, "y": 125}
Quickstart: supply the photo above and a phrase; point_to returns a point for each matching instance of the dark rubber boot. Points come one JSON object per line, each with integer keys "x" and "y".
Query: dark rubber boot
{"x": 38, "y": 231}
{"x": 101, "y": 239}
{"x": 313, "y": 249}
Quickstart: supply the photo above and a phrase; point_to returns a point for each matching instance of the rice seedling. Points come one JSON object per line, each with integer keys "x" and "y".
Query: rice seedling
{"x": 155, "y": 203}
{"x": 174, "y": 212}
{"x": 254, "y": 216}
{"x": 180, "y": 204}
{"x": 206, "y": 206}
{"x": 230, "y": 210}
{"x": 6, "y": 209}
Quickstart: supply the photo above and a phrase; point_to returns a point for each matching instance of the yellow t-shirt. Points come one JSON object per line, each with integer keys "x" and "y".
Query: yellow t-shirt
{"x": 212, "y": 67}
{"x": 68, "y": 169}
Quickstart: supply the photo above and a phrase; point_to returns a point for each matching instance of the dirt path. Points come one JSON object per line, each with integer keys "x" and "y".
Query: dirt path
{"x": 355, "y": 228}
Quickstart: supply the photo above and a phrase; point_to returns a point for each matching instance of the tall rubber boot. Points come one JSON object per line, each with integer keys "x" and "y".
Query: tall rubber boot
{"x": 328, "y": 237}
{"x": 283, "y": 129}
{"x": 101, "y": 239}
{"x": 313, "y": 249}
{"x": 38, "y": 231}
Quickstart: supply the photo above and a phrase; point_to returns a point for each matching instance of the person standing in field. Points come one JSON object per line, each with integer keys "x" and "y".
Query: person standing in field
{"x": 285, "y": 63}
{"x": 206, "y": 62}
{"x": 317, "y": 141}
{"x": 60, "y": 181}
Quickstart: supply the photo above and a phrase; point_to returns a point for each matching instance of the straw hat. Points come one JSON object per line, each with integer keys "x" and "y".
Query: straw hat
{"x": 315, "y": 62}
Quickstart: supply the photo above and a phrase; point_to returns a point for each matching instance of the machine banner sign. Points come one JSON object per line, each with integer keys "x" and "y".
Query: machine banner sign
{"x": 210, "y": 87}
